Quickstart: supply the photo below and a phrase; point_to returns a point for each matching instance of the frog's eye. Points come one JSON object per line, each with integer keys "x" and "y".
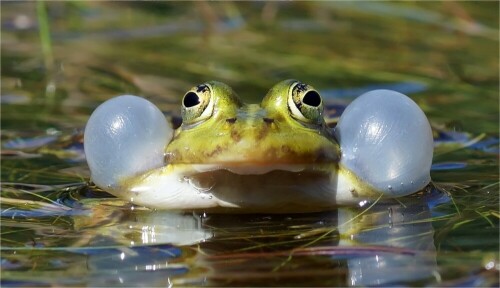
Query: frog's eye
{"x": 305, "y": 103}
{"x": 197, "y": 104}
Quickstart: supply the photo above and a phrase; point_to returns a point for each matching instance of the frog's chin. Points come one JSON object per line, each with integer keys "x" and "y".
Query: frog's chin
{"x": 214, "y": 188}
{"x": 217, "y": 188}
{"x": 245, "y": 169}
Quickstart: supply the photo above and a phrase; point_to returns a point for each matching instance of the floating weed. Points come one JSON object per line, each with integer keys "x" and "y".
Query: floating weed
{"x": 413, "y": 222}
{"x": 18, "y": 174}
{"x": 269, "y": 245}
{"x": 51, "y": 202}
{"x": 324, "y": 234}
{"x": 492, "y": 185}
{"x": 34, "y": 205}
{"x": 442, "y": 188}
{"x": 18, "y": 155}
{"x": 328, "y": 231}
{"x": 485, "y": 217}
{"x": 444, "y": 147}
{"x": 461, "y": 90}
{"x": 319, "y": 250}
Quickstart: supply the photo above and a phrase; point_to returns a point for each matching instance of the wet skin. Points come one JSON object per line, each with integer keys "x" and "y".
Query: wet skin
{"x": 278, "y": 155}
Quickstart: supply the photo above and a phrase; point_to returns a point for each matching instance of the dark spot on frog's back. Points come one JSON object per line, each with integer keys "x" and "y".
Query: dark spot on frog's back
{"x": 263, "y": 131}
{"x": 170, "y": 156}
{"x": 354, "y": 193}
{"x": 285, "y": 149}
{"x": 214, "y": 152}
{"x": 326, "y": 155}
{"x": 235, "y": 135}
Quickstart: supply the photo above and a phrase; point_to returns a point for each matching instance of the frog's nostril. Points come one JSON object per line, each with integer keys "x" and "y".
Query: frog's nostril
{"x": 231, "y": 120}
{"x": 268, "y": 120}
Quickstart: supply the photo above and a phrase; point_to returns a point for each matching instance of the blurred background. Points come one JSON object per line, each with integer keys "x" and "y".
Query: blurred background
{"x": 76, "y": 54}
{"x": 61, "y": 59}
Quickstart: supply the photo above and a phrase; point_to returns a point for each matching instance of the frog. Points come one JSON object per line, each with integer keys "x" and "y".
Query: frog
{"x": 277, "y": 156}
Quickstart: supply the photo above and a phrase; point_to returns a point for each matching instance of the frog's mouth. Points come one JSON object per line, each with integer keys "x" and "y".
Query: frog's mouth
{"x": 251, "y": 189}
{"x": 250, "y": 169}
{"x": 238, "y": 169}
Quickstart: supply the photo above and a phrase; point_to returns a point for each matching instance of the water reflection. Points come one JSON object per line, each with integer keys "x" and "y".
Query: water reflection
{"x": 398, "y": 225}
{"x": 170, "y": 227}
{"x": 388, "y": 244}
{"x": 135, "y": 267}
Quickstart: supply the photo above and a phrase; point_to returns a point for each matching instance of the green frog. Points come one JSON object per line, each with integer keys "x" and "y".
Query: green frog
{"x": 278, "y": 156}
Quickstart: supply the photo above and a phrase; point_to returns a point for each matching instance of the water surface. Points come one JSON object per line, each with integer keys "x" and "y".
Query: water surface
{"x": 59, "y": 230}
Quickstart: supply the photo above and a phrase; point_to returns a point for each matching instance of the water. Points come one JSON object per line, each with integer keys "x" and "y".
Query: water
{"x": 58, "y": 230}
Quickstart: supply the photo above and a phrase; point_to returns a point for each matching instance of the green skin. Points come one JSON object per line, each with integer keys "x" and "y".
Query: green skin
{"x": 278, "y": 156}
{"x": 252, "y": 134}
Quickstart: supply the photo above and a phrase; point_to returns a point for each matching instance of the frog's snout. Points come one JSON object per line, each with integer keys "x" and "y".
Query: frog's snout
{"x": 266, "y": 120}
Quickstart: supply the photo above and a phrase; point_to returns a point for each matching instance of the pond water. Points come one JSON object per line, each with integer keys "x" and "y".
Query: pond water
{"x": 61, "y": 59}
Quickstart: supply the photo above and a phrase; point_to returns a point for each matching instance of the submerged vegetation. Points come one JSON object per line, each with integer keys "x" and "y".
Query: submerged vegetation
{"x": 58, "y": 229}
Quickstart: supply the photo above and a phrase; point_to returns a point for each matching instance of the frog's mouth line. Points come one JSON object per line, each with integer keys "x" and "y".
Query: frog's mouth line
{"x": 247, "y": 169}
{"x": 259, "y": 169}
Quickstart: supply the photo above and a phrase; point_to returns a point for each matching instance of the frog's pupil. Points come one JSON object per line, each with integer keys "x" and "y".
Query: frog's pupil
{"x": 191, "y": 99}
{"x": 312, "y": 98}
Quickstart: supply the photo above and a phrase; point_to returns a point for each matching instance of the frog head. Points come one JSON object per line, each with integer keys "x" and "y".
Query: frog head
{"x": 287, "y": 127}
